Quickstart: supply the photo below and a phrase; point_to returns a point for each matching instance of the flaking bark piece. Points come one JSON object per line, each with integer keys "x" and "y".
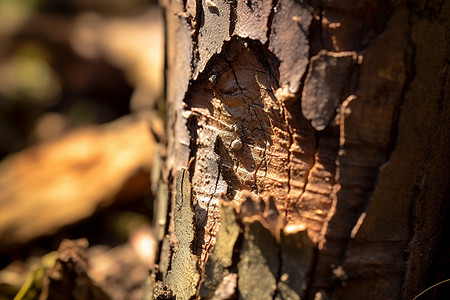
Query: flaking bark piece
{"x": 274, "y": 260}
{"x": 297, "y": 254}
{"x": 328, "y": 74}
{"x": 213, "y": 33}
{"x": 259, "y": 264}
{"x": 252, "y": 18}
{"x": 289, "y": 40}
{"x": 263, "y": 210}
{"x": 220, "y": 259}
{"x": 183, "y": 277}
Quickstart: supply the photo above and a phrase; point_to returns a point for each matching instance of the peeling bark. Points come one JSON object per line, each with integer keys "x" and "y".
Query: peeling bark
{"x": 294, "y": 120}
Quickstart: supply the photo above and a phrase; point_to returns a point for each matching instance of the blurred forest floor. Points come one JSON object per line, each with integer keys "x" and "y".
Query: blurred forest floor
{"x": 81, "y": 115}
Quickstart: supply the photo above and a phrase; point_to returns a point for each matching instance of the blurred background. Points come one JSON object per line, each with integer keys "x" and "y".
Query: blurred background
{"x": 81, "y": 115}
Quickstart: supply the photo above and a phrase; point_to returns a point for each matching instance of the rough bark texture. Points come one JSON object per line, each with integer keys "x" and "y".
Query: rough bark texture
{"x": 319, "y": 129}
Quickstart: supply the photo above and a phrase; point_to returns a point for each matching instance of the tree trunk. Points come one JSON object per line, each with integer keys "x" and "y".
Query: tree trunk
{"x": 307, "y": 150}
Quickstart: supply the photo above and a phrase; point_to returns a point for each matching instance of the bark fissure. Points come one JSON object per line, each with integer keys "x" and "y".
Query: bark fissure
{"x": 291, "y": 141}
{"x": 308, "y": 172}
{"x": 212, "y": 231}
{"x": 321, "y": 38}
{"x": 233, "y": 16}
{"x": 197, "y": 22}
{"x": 273, "y": 11}
{"x": 409, "y": 58}
{"x": 276, "y": 295}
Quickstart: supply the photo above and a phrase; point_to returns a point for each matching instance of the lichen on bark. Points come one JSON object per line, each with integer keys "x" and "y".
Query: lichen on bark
{"x": 183, "y": 277}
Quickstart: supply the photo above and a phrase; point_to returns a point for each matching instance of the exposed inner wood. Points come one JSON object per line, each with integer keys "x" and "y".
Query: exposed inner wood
{"x": 238, "y": 101}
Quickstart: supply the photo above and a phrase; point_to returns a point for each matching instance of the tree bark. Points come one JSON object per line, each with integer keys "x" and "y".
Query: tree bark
{"x": 307, "y": 150}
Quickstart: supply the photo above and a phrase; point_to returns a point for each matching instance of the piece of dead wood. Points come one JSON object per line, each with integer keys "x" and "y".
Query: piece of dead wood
{"x": 120, "y": 272}
{"x": 68, "y": 278}
{"x": 58, "y": 183}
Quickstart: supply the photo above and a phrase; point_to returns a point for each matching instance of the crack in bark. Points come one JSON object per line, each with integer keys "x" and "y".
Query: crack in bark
{"x": 279, "y": 272}
{"x": 264, "y": 151}
{"x": 321, "y": 12}
{"x": 237, "y": 81}
{"x": 199, "y": 20}
{"x": 291, "y": 141}
{"x": 208, "y": 246}
{"x": 270, "y": 20}
{"x": 233, "y": 16}
{"x": 308, "y": 171}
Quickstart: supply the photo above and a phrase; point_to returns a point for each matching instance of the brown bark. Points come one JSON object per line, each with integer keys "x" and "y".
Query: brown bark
{"x": 324, "y": 123}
